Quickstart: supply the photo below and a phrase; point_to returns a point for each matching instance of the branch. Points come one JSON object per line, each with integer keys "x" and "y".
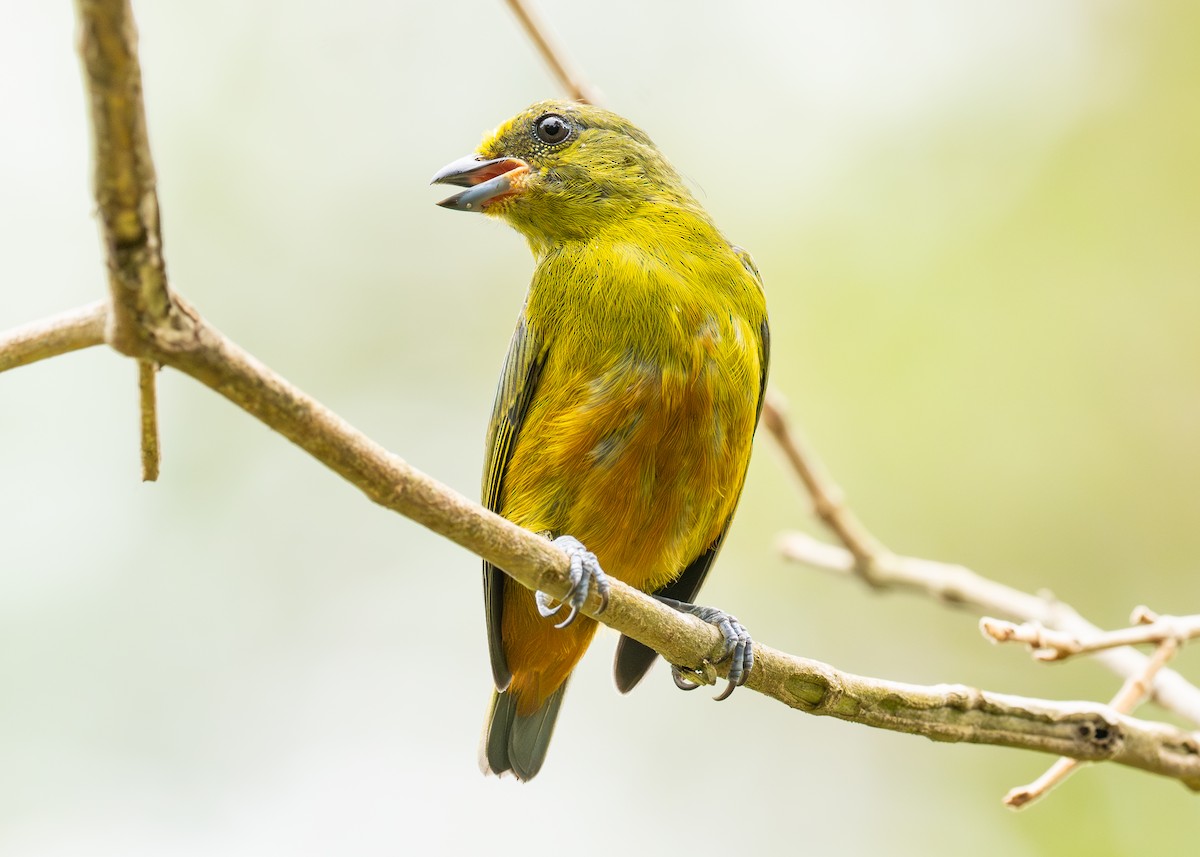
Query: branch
{"x": 828, "y": 503}
{"x": 956, "y": 585}
{"x": 124, "y": 172}
{"x": 148, "y": 406}
{"x": 60, "y": 334}
{"x": 1131, "y": 694}
{"x": 1047, "y": 644}
{"x": 552, "y": 52}
{"x": 944, "y": 713}
{"x": 126, "y": 196}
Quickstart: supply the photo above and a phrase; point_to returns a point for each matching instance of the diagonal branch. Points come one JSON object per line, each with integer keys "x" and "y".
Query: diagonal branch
{"x": 956, "y": 713}
{"x": 576, "y": 85}
{"x": 1083, "y": 731}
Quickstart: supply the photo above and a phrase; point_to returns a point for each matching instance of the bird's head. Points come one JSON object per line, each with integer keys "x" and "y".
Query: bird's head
{"x": 562, "y": 170}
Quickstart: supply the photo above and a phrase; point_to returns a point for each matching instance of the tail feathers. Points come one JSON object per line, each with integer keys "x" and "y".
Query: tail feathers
{"x": 518, "y": 742}
{"x": 632, "y": 662}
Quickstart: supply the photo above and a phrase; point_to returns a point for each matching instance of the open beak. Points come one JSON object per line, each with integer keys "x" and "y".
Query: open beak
{"x": 487, "y": 181}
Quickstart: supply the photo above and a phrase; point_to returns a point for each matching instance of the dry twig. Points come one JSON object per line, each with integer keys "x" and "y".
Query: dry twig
{"x": 1048, "y": 644}
{"x": 148, "y": 401}
{"x": 560, "y": 64}
{"x": 126, "y": 196}
{"x": 60, "y": 334}
{"x": 952, "y": 584}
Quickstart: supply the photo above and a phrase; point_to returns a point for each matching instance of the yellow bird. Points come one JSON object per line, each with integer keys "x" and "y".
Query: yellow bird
{"x": 625, "y": 413}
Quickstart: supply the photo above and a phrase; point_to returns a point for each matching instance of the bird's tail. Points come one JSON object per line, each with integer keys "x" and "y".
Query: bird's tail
{"x": 518, "y": 742}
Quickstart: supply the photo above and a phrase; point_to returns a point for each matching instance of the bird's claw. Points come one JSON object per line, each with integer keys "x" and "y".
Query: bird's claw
{"x": 585, "y": 574}
{"x": 738, "y": 649}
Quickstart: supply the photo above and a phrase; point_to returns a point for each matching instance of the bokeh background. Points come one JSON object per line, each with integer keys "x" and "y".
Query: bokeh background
{"x": 979, "y": 224}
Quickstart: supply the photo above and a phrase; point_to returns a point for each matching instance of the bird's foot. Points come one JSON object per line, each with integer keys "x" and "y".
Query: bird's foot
{"x": 586, "y": 574}
{"x": 739, "y": 649}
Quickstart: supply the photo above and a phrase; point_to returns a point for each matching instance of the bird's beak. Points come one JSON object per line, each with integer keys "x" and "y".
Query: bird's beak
{"x": 487, "y": 181}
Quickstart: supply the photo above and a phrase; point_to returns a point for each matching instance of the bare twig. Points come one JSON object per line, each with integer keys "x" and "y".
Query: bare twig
{"x": 1131, "y": 694}
{"x": 148, "y": 396}
{"x": 552, "y": 52}
{"x": 1047, "y": 644}
{"x": 952, "y": 584}
{"x": 827, "y": 498}
{"x": 69, "y": 331}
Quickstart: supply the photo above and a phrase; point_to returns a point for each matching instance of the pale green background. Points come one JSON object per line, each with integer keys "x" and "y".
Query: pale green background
{"x": 979, "y": 224}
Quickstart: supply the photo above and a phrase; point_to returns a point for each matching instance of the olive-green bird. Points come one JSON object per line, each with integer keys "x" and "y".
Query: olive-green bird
{"x": 628, "y": 401}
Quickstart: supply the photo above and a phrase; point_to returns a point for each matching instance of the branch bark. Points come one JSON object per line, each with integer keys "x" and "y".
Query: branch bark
{"x": 126, "y": 195}
{"x": 60, "y": 334}
{"x": 1131, "y": 694}
{"x": 124, "y": 179}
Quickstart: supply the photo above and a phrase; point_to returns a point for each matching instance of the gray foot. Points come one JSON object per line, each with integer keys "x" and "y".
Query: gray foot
{"x": 739, "y": 648}
{"x": 585, "y": 574}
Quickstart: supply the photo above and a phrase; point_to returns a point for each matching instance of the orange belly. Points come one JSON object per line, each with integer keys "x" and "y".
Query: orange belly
{"x": 642, "y": 464}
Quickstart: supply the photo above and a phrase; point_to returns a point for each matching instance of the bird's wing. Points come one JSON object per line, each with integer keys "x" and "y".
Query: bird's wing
{"x": 518, "y": 382}
{"x": 633, "y": 659}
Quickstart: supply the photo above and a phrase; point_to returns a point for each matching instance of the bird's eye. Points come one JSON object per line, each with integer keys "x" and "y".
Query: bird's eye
{"x": 552, "y": 129}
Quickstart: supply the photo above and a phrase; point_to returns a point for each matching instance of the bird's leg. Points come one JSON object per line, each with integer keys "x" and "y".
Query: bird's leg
{"x": 739, "y": 648}
{"x": 585, "y": 574}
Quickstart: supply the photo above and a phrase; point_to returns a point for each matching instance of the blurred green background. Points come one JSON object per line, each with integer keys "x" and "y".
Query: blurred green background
{"x": 979, "y": 224}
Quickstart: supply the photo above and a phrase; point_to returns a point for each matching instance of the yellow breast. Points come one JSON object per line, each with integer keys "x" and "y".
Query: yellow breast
{"x": 639, "y": 450}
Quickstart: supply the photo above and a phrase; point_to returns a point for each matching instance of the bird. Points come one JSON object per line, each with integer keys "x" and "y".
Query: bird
{"x": 627, "y": 404}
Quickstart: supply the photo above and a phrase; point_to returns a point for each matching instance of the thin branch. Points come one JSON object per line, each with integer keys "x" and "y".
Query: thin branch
{"x": 1047, "y": 644}
{"x": 1131, "y": 694}
{"x": 827, "y": 499}
{"x": 59, "y": 334}
{"x": 553, "y": 53}
{"x": 148, "y": 401}
{"x": 952, "y": 584}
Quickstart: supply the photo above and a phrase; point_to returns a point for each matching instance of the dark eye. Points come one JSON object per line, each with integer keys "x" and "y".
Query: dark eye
{"x": 552, "y": 129}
